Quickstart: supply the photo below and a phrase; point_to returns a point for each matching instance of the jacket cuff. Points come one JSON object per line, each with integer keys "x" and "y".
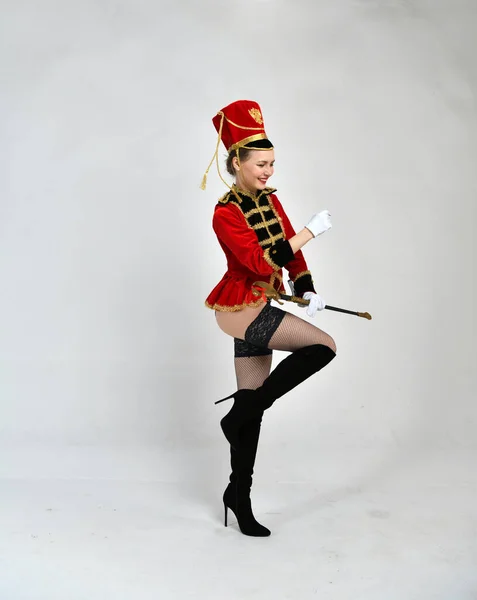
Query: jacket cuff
{"x": 303, "y": 283}
{"x": 278, "y": 255}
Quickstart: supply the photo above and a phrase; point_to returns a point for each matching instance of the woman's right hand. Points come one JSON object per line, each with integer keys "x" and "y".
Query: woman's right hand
{"x": 316, "y": 303}
{"x": 319, "y": 223}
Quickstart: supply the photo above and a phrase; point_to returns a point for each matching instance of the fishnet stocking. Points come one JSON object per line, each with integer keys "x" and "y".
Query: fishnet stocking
{"x": 275, "y": 330}
{"x": 251, "y": 371}
{"x": 294, "y": 333}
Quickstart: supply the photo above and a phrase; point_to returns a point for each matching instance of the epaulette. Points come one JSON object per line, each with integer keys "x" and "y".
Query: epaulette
{"x": 225, "y": 198}
{"x": 269, "y": 190}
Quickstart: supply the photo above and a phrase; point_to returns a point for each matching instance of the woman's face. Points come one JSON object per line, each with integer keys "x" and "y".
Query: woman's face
{"x": 253, "y": 173}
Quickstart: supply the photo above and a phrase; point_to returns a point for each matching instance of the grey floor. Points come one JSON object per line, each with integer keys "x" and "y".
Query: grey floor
{"x": 398, "y": 528}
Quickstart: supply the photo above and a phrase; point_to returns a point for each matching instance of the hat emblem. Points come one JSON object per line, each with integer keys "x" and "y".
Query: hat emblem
{"x": 256, "y": 115}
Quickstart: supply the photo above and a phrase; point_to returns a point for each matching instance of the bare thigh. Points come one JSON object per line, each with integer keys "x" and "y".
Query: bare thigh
{"x": 236, "y": 323}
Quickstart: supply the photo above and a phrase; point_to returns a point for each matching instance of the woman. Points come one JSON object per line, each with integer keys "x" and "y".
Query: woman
{"x": 258, "y": 241}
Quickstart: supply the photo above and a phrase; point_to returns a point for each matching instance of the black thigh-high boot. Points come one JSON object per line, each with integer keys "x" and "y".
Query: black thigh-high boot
{"x": 237, "y": 494}
{"x": 289, "y": 373}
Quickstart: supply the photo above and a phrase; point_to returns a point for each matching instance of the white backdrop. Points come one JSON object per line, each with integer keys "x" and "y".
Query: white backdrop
{"x": 109, "y": 361}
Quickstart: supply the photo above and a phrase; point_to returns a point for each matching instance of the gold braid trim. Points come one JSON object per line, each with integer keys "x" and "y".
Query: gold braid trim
{"x": 275, "y": 212}
{"x": 268, "y": 259}
{"x": 235, "y": 307}
{"x": 249, "y": 140}
{"x": 258, "y": 208}
{"x": 272, "y": 239}
{"x": 225, "y": 198}
{"x": 266, "y": 191}
{"x": 302, "y": 274}
{"x": 262, "y": 210}
{"x": 263, "y": 224}
{"x": 276, "y": 275}
{"x": 236, "y": 191}
{"x": 253, "y": 211}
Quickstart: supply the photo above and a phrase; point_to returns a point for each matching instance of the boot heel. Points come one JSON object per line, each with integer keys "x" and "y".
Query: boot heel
{"x": 224, "y": 399}
{"x": 225, "y": 515}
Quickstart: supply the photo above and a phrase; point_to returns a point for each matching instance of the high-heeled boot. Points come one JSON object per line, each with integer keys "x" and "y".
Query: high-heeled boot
{"x": 289, "y": 373}
{"x": 237, "y": 494}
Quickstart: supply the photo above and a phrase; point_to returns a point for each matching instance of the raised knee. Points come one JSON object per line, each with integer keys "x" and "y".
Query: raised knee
{"x": 323, "y": 350}
{"x": 332, "y": 344}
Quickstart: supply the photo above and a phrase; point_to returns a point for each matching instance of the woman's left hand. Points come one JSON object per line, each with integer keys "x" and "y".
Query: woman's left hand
{"x": 316, "y": 303}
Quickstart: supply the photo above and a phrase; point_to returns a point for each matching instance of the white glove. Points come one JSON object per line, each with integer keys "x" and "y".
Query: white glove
{"x": 319, "y": 223}
{"x": 316, "y": 303}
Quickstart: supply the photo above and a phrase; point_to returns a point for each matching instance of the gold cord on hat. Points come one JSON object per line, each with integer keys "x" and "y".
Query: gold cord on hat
{"x": 215, "y": 157}
{"x": 203, "y": 185}
{"x": 246, "y": 127}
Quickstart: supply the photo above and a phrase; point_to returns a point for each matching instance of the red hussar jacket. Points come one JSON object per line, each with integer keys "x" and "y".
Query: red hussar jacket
{"x": 253, "y": 232}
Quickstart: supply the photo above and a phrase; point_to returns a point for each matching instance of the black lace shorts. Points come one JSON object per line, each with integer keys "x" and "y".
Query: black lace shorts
{"x": 259, "y": 333}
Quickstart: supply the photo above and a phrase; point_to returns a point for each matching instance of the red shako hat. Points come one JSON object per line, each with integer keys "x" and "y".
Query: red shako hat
{"x": 239, "y": 125}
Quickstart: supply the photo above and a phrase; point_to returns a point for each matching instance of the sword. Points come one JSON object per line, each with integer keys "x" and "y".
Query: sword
{"x": 267, "y": 291}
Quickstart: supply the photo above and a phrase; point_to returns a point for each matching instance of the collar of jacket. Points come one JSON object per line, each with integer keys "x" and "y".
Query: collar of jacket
{"x": 232, "y": 194}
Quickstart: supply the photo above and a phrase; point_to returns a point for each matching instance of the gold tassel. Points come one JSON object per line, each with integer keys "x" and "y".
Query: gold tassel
{"x": 203, "y": 185}
{"x": 215, "y": 157}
